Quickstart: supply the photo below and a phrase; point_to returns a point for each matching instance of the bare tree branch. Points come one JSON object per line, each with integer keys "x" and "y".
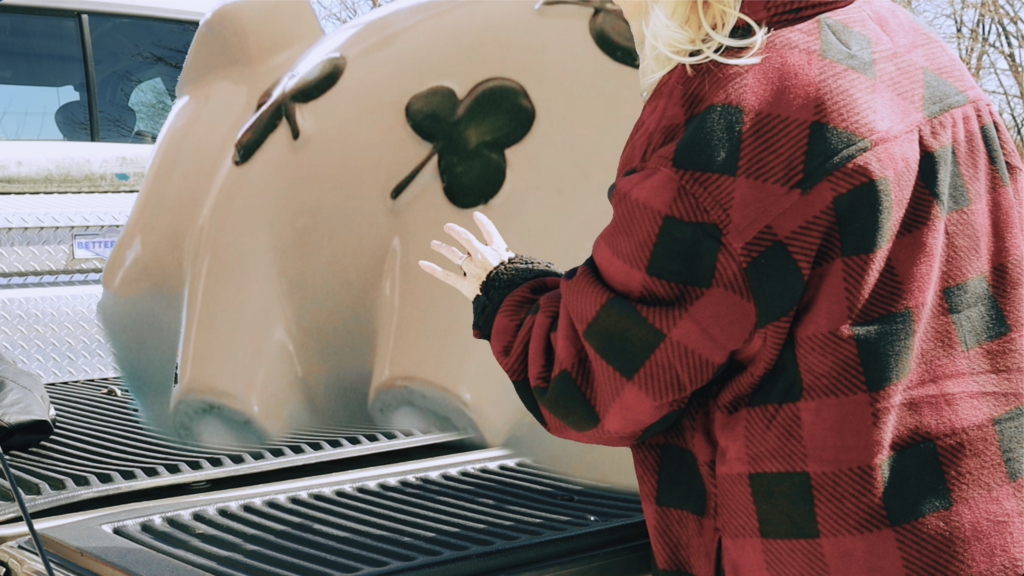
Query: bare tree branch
{"x": 334, "y": 13}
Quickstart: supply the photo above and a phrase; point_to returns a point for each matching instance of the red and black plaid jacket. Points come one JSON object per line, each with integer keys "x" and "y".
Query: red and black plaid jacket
{"x": 805, "y": 317}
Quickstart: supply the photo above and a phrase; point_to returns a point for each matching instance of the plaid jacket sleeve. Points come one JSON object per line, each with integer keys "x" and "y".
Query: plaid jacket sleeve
{"x": 610, "y": 352}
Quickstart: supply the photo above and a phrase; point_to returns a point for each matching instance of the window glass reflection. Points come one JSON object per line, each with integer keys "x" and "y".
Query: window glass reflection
{"x": 42, "y": 78}
{"x": 137, "y": 62}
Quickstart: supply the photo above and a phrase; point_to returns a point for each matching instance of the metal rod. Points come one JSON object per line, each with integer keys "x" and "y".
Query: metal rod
{"x": 24, "y": 513}
{"x": 90, "y": 78}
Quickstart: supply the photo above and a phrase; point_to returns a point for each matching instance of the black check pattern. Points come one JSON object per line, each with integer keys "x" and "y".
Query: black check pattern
{"x": 885, "y": 346}
{"x": 711, "y": 142}
{"x": 976, "y": 314}
{"x": 783, "y": 384}
{"x": 680, "y": 484}
{"x": 864, "y": 215}
{"x": 685, "y": 252}
{"x": 785, "y": 505}
{"x": 828, "y": 149}
{"x": 565, "y": 401}
{"x": 995, "y": 151}
{"x": 622, "y": 336}
{"x": 940, "y": 173}
{"x": 914, "y": 484}
{"x": 940, "y": 96}
{"x": 844, "y": 45}
{"x": 1010, "y": 431}
{"x": 776, "y": 282}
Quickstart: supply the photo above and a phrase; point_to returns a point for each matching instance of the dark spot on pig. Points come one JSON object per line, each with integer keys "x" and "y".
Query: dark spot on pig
{"x": 469, "y": 136}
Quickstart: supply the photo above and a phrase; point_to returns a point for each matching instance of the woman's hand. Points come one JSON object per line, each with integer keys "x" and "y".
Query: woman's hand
{"x": 475, "y": 259}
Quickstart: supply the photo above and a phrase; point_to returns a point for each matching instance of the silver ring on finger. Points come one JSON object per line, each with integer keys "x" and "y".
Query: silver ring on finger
{"x": 461, "y": 260}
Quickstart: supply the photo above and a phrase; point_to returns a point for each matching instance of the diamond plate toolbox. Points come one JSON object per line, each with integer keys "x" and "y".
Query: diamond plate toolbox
{"x": 52, "y": 330}
{"x": 38, "y": 232}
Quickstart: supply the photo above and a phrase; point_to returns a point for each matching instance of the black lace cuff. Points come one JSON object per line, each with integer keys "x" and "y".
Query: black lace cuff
{"x": 500, "y": 282}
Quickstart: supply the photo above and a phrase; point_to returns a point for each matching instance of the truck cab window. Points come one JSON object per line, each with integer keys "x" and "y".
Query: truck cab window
{"x": 42, "y": 78}
{"x": 137, "y": 63}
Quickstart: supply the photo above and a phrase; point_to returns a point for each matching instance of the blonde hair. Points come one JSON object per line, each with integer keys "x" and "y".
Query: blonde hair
{"x": 692, "y": 32}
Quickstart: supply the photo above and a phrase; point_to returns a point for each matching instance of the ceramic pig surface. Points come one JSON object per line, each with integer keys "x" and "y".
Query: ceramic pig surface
{"x": 271, "y": 255}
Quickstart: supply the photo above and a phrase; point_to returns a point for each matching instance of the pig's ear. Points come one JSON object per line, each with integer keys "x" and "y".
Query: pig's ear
{"x": 320, "y": 78}
{"x": 253, "y": 42}
{"x": 265, "y": 97}
{"x": 613, "y": 36}
{"x": 431, "y": 113}
{"x": 609, "y": 28}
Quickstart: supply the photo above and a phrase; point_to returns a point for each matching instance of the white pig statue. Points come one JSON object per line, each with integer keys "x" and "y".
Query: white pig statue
{"x": 267, "y": 277}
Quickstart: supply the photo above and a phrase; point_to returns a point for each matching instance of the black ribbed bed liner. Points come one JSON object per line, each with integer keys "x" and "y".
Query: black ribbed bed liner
{"x": 101, "y": 448}
{"x": 475, "y": 519}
